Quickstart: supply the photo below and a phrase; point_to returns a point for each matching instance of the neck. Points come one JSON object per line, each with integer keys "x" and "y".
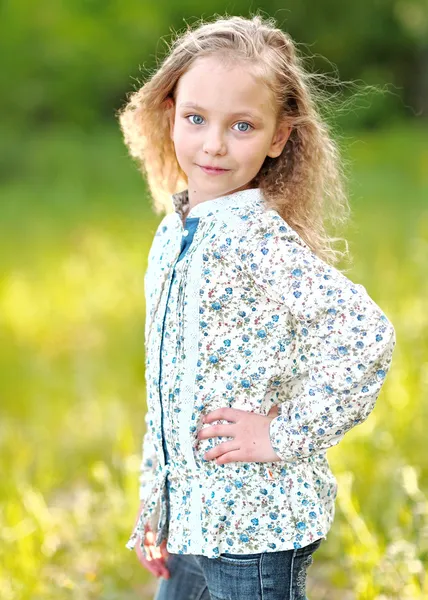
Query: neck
{"x": 185, "y": 213}
{"x": 244, "y": 197}
{"x": 197, "y": 197}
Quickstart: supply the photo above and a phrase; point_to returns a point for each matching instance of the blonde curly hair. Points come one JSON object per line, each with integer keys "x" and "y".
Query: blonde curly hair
{"x": 305, "y": 184}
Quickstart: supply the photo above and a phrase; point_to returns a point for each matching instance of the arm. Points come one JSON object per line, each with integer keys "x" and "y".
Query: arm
{"x": 341, "y": 344}
{"x": 149, "y": 461}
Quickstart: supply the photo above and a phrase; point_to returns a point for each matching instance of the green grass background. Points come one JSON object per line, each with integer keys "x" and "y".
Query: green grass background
{"x": 75, "y": 229}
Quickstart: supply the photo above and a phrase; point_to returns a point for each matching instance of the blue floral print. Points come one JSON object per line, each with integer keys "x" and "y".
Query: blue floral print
{"x": 241, "y": 313}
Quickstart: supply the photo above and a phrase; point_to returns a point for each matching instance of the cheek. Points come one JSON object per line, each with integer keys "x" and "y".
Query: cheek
{"x": 185, "y": 143}
{"x": 251, "y": 153}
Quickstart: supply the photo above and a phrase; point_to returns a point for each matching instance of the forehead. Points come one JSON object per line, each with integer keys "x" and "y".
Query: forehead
{"x": 216, "y": 85}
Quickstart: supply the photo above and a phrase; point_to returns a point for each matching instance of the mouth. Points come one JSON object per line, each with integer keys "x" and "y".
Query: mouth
{"x": 213, "y": 170}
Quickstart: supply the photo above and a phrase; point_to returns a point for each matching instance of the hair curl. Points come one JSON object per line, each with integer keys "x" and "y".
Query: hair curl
{"x": 305, "y": 184}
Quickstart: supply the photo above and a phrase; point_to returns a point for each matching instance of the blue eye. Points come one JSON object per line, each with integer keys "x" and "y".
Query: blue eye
{"x": 248, "y": 126}
{"x": 197, "y": 116}
{"x": 244, "y": 123}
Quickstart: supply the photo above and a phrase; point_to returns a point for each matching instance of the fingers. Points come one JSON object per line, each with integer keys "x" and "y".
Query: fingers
{"x": 155, "y": 566}
{"x": 274, "y": 410}
{"x": 156, "y": 556}
{"x": 221, "y": 449}
{"x": 164, "y": 551}
{"x": 224, "y": 430}
{"x": 165, "y": 555}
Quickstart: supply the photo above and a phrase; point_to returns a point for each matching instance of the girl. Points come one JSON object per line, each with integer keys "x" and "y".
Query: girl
{"x": 260, "y": 354}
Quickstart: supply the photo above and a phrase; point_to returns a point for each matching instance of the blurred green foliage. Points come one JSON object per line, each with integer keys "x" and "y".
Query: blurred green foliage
{"x": 74, "y": 61}
{"x": 75, "y": 228}
{"x": 74, "y": 235}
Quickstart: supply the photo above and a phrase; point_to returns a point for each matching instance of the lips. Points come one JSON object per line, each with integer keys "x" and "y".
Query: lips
{"x": 213, "y": 170}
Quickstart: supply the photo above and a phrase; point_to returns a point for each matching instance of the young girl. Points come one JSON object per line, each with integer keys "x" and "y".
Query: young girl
{"x": 260, "y": 355}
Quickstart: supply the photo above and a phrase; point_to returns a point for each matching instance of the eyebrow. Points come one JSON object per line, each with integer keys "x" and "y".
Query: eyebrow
{"x": 243, "y": 113}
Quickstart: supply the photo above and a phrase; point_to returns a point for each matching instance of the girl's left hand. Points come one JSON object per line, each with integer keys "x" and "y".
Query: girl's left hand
{"x": 250, "y": 432}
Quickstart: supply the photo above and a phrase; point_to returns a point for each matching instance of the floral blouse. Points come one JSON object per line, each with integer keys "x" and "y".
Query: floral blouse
{"x": 241, "y": 313}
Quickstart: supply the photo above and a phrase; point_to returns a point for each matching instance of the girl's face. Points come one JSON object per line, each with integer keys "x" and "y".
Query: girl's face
{"x": 223, "y": 118}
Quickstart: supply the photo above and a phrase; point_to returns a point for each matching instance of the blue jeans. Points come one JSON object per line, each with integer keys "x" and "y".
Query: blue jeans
{"x": 277, "y": 575}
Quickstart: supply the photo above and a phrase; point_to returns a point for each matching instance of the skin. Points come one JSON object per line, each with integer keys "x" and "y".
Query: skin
{"x": 157, "y": 555}
{"x": 221, "y": 133}
{"x": 215, "y": 136}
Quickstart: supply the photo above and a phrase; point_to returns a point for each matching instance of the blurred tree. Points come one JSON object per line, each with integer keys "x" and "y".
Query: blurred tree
{"x": 74, "y": 61}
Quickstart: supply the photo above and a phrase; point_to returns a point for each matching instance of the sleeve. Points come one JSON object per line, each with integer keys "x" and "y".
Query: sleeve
{"x": 149, "y": 461}
{"x": 341, "y": 344}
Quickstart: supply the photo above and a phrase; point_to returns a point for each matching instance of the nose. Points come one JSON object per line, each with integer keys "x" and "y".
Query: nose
{"x": 214, "y": 142}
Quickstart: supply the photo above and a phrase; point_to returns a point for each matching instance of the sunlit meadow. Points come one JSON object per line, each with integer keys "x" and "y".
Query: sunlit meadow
{"x": 75, "y": 228}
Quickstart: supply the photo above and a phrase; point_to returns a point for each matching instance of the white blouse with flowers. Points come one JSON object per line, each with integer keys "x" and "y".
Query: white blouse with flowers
{"x": 241, "y": 313}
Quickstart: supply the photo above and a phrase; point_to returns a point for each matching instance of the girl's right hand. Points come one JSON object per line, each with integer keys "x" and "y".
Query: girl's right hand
{"x": 157, "y": 555}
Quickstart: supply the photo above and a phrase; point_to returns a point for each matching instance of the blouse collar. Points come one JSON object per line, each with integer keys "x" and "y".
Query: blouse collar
{"x": 247, "y": 198}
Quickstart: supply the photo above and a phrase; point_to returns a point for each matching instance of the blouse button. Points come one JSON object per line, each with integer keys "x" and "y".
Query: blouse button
{"x": 185, "y": 233}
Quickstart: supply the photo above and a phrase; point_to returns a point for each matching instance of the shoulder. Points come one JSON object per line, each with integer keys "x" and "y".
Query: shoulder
{"x": 168, "y": 223}
{"x": 166, "y": 229}
{"x": 267, "y": 229}
{"x": 275, "y": 253}
{"x": 282, "y": 264}
{"x": 163, "y": 242}
{"x": 255, "y": 229}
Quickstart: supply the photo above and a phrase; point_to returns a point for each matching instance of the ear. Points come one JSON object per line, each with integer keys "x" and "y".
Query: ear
{"x": 279, "y": 139}
{"x": 170, "y": 110}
